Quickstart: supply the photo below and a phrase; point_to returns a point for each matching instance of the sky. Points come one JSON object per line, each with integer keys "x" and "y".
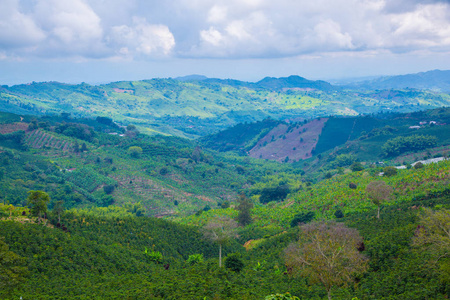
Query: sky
{"x": 99, "y": 41}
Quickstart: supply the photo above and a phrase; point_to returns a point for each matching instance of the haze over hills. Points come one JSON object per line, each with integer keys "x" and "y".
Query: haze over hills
{"x": 198, "y": 106}
{"x": 438, "y": 80}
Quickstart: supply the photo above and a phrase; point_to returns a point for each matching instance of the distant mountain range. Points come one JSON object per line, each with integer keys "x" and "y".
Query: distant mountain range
{"x": 269, "y": 83}
{"x": 437, "y": 80}
{"x": 194, "y": 105}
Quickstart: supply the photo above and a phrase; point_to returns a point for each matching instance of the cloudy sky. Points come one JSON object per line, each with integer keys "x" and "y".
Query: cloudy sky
{"x": 99, "y": 41}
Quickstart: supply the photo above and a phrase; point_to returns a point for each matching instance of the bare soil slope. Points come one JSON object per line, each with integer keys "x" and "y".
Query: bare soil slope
{"x": 285, "y": 141}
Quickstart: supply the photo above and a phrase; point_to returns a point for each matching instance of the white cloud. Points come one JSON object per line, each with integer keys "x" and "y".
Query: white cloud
{"x": 428, "y": 26}
{"x": 142, "y": 38}
{"x": 217, "y": 14}
{"x": 221, "y": 28}
{"x": 73, "y": 28}
{"x": 328, "y": 36}
{"x": 212, "y": 36}
{"x": 17, "y": 29}
{"x": 289, "y": 28}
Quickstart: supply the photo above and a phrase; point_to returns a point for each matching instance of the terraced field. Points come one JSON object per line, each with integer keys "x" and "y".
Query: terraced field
{"x": 41, "y": 139}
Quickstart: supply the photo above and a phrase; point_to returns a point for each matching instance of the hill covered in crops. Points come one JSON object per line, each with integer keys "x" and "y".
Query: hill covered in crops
{"x": 198, "y": 107}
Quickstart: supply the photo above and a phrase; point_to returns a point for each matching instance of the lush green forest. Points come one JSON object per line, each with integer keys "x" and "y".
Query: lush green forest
{"x": 92, "y": 207}
{"x": 110, "y": 253}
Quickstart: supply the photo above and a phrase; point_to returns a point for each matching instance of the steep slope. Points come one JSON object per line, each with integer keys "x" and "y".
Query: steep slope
{"x": 361, "y": 137}
{"x": 289, "y": 142}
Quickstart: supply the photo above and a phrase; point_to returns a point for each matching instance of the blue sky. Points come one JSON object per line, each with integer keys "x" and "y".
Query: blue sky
{"x": 98, "y": 41}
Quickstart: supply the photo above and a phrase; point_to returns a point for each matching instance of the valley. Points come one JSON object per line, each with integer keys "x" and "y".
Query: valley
{"x": 115, "y": 191}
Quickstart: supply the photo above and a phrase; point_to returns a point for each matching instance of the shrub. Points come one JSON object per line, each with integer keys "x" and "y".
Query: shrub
{"x": 302, "y": 218}
{"x": 352, "y": 185}
{"x": 164, "y": 171}
{"x": 154, "y": 256}
{"x": 108, "y": 189}
{"x": 274, "y": 194}
{"x": 135, "y": 151}
{"x": 418, "y": 165}
{"x": 195, "y": 259}
{"x": 339, "y": 214}
{"x": 234, "y": 263}
{"x": 389, "y": 171}
{"x": 356, "y": 166}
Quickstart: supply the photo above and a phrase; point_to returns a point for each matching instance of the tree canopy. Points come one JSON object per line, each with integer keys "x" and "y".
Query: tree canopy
{"x": 38, "y": 200}
{"x": 327, "y": 253}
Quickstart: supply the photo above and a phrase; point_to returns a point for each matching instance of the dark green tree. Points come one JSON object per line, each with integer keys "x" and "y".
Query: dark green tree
{"x": 234, "y": 262}
{"x": 245, "y": 206}
{"x": 302, "y": 218}
{"x": 58, "y": 209}
{"x": 389, "y": 171}
{"x": 135, "y": 151}
{"x": 38, "y": 200}
{"x": 356, "y": 166}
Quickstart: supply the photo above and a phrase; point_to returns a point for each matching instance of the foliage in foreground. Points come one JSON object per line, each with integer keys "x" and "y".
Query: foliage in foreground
{"x": 103, "y": 257}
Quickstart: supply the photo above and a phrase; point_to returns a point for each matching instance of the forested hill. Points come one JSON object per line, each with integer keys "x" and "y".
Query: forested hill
{"x": 362, "y": 137}
{"x": 109, "y": 253}
{"x": 193, "y": 108}
{"x": 94, "y": 162}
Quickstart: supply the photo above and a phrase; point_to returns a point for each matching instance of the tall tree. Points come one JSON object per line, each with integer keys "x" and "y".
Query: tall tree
{"x": 58, "y": 209}
{"x": 379, "y": 192}
{"x": 327, "y": 253}
{"x": 38, "y": 201}
{"x": 220, "y": 230}
{"x": 245, "y": 206}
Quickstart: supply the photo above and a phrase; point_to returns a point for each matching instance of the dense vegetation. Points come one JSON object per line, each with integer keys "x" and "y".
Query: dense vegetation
{"x": 79, "y": 197}
{"x": 109, "y": 251}
{"x": 197, "y": 108}
{"x": 84, "y": 165}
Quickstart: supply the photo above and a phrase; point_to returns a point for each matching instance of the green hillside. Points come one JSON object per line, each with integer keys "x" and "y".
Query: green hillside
{"x": 85, "y": 166}
{"x": 318, "y": 145}
{"x": 100, "y": 253}
{"x": 198, "y": 108}
{"x": 137, "y": 216}
{"x": 327, "y": 196}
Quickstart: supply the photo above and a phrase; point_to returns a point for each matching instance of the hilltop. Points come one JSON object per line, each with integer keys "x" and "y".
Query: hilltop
{"x": 192, "y": 107}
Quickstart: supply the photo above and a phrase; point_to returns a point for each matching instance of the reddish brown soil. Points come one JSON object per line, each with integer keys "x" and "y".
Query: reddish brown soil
{"x": 12, "y": 127}
{"x": 279, "y": 144}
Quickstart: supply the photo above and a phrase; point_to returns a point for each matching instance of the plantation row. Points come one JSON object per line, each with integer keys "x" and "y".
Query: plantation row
{"x": 40, "y": 139}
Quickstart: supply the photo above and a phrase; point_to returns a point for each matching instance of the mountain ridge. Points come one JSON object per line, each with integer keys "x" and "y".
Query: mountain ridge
{"x": 433, "y": 80}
